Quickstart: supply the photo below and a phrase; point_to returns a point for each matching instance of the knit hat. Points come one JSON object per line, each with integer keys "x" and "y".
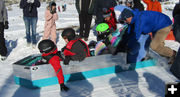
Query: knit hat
{"x": 126, "y": 13}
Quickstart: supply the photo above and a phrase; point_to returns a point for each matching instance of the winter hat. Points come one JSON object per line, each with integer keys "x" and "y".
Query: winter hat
{"x": 106, "y": 12}
{"x": 69, "y": 33}
{"x": 52, "y": 3}
{"x": 126, "y": 13}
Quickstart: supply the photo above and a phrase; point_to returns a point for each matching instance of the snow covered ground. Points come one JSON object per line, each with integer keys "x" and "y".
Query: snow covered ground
{"x": 147, "y": 82}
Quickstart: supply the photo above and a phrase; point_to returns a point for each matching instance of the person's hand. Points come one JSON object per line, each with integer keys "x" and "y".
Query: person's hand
{"x": 67, "y": 60}
{"x": 6, "y": 25}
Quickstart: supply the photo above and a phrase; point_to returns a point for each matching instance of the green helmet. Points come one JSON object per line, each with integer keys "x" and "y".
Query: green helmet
{"x": 102, "y": 28}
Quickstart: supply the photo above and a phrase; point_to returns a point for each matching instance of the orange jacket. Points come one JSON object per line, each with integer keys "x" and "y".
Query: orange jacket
{"x": 153, "y": 5}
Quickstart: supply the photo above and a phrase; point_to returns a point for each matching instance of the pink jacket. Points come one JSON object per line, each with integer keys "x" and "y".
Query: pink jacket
{"x": 50, "y": 25}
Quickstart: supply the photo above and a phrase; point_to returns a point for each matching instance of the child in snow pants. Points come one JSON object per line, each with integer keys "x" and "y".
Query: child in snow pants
{"x": 50, "y": 26}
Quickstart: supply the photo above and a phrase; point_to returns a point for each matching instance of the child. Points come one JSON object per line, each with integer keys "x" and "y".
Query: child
{"x": 50, "y": 26}
{"x": 75, "y": 49}
{"x": 50, "y": 55}
{"x": 110, "y": 18}
{"x": 110, "y": 42}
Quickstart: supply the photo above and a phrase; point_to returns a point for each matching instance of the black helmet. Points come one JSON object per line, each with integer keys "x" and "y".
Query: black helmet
{"x": 46, "y": 46}
{"x": 69, "y": 33}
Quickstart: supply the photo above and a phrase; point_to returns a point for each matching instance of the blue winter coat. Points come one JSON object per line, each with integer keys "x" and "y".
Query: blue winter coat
{"x": 25, "y": 6}
{"x": 148, "y": 21}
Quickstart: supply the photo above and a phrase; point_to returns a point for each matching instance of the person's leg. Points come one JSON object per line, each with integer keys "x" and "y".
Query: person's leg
{"x": 87, "y": 25}
{"x": 157, "y": 43}
{"x": 33, "y": 27}
{"x": 27, "y": 26}
{"x": 81, "y": 22}
{"x": 3, "y": 49}
{"x": 53, "y": 34}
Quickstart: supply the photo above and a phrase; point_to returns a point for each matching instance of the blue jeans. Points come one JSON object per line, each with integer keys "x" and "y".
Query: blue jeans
{"x": 138, "y": 48}
{"x": 30, "y": 22}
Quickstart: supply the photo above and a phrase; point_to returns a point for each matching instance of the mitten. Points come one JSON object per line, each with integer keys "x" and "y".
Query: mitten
{"x": 67, "y": 60}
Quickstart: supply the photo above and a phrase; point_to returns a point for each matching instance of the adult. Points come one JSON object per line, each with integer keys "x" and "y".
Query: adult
{"x": 3, "y": 25}
{"x": 30, "y": 16}
{"x": 153, "y": 5}
{"x": 85, "y": 10}
{"x": 145, "y": 22}
{"x": 175, "y": 68}
{"x": 138, "y": 5}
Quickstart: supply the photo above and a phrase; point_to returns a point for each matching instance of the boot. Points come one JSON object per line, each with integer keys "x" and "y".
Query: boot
{"x": 63, "y": 87}
{"x": 172, "y": 58}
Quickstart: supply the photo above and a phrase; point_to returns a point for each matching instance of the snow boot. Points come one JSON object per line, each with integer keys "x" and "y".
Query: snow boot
{"x": 63, "y": 87}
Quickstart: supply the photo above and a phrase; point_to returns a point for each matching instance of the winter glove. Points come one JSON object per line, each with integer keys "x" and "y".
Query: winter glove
{"x": 6, "y": 26}
{"x": 60, "y": 55}
{"x": 30, "y": 1}
{"x": 63, "y": 87}
{"x": 67, "y": 60}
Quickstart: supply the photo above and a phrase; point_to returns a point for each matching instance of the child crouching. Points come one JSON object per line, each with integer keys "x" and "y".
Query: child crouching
{"x": 50, "y": 55}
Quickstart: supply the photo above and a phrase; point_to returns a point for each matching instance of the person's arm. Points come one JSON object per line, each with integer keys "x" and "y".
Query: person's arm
{"x": 48, "y": 15}
{"x": 159, "y": 9}
{"x": 176, "y": 10}
{"x": 77, "y": 6}
{"x": 5, "y": 15}
{"x": 55, "y": 16}
{"x": 37, "y": 3}
{"x": 23, "y": 4}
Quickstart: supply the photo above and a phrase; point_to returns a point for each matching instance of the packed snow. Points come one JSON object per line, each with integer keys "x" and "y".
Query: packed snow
{"x": 147, "y": 82}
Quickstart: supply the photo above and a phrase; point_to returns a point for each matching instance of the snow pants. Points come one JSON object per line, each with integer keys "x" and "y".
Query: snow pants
{"x": 3, "y": 49}
{"x": 157, "y": 43}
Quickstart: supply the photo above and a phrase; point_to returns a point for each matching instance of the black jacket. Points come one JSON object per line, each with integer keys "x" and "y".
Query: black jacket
{"x": 85, "y": 6}
{"x": 27, "y": 6}
{"x": 176, "y": 25}
{"x": 138, "y": 5}
{"x": 99, "y": 5}
{"x": 176, "y": 10}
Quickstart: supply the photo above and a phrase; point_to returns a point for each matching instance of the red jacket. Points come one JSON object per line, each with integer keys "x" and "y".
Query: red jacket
{"x": 153, "y": 5}
{"x": 77, "y": 49}
{"x": 112, "y": 22}
{"x": 55, "y": 63}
